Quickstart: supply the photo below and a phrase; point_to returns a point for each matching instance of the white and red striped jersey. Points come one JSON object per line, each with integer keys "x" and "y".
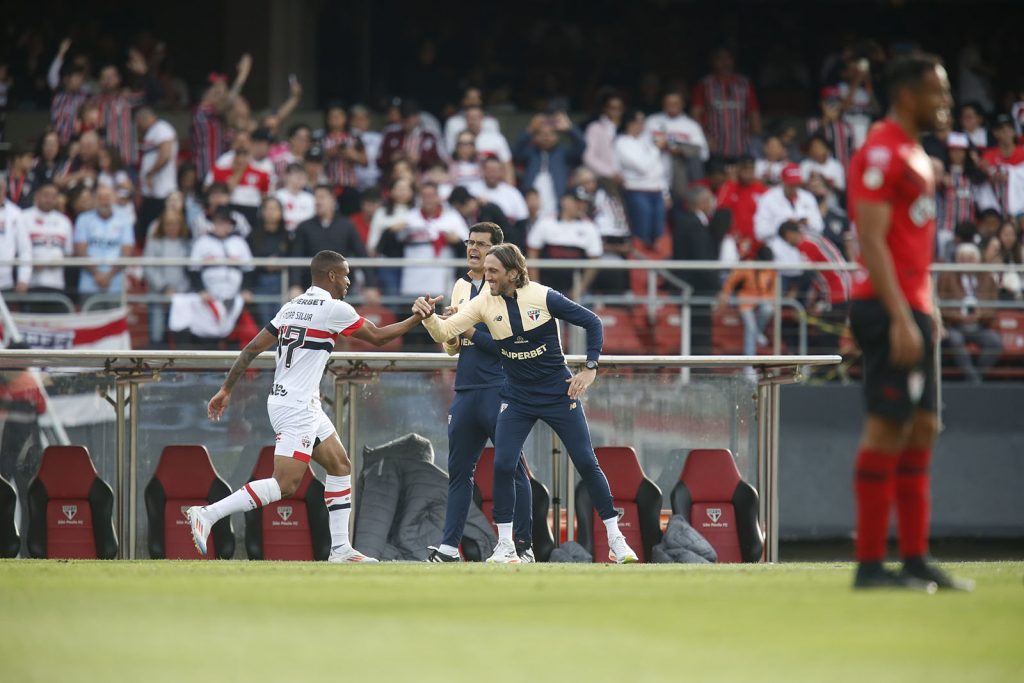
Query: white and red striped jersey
{"x": 14, "y": 243}
{"x": 254, "y": 184}
{"x": 51, "y": 235}
{"x": 306, "y": 328}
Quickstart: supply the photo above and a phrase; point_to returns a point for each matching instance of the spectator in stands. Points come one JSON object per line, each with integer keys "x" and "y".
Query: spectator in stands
{"x": 269, "y": 239}
{"x": 493, "y": 188}
{"x": 112, "y": 174}
{"x": 519, "y": 231}
{"x": 571, "y": 236}
{"x": 835, "y": 221}
{"x": 157, "y": 172}
{"x": 314, "y": 163}
{"x": 343, "y": 153}
{"x": 489, "y": 143}
{"x": 972, "y": 124}
{"x": 740, "y": 198}
{"x": 49, "y": 162}
{"x": 832, "y": 127}
{"x": 367, "y": 173}
{"x": 247, "y": 181}
{"x": 968, "y": 316}
{"x": 116, "y": 102}
{"x": 84, "y": 165}
{"x": 600, "y": 136}
{"x": 14, "y": 243}
{"x": 50, "y": 232}
{"x": 464, "y": 167}
{"x": 644, "y": 183}
{"x": 433, "y": 231}
{"x": 188, "y": 185}
{"x": 300, "y": 139}
{"x": 786, "y": 202}
{"x": 546, "y": 160}
{"x": 685, "y": 145}
{"x": 755, "y": 289}
{"x": 1002, "y": 160}
{"x": 605, "y": 209}
{"x": 103, "y": 233}
{"x": 208, "y": 135}
{"x": 297, "y": 203}
{"x": 830, "y": 289}
{"x": 954, "y": 189}
{"x": 725, "y": 104}
{"x": 769, "y": 169}
{"x": 859, "y": 105}
{"x": 408, "y": 140}
{"x": 67, "y": 100}
{"x": 170, "y": 239}
{"x": 1006, "y": 249}
{"x": 20, "y": 177}
{"x": 388, "y": 222}
{"x": 326, "y": 230}
{"x": 369, "y": 202}
{"x": 475, "y": 210}
{"x": 696, "y": 236}
{"x": 820, "y": 162}
{"x": 987, "y": 224}
{"x": 456, "y": 123}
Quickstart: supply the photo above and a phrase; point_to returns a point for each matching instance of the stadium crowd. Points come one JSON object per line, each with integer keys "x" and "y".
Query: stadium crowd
{"x": 696, "y": 175}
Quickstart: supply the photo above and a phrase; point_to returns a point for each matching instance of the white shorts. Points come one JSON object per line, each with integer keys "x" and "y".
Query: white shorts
{"x": 297, "y": 428}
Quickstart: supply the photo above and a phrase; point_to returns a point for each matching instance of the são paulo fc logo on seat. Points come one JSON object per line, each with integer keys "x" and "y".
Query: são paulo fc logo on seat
{"x": 533, "y": 314}
{"x": 70, "y": 511}
{"x": 284, "y": 512}
{"x": 714, "y": 514}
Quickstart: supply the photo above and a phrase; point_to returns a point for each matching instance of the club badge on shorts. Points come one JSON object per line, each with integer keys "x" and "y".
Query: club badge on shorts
{"x": 915, "y": 385}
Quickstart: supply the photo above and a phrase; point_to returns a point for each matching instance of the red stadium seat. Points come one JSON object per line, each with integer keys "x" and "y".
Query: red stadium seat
{"x": 379, "y": 316}
{"x": 726, "y": 331}
{"x": 295, "y": 528}
{"x": 620, "y": 333}
{"x": 719, "y": 505}
{"x": 1010, "y": 326}
{"x": 666, "y": 331}
{"x": 637, "y": 498}
{"x": 483, "y": 496}
{"x": 70, "y": 509}
{"x": 184, "y": 477}
{"x": 10, "y": 542}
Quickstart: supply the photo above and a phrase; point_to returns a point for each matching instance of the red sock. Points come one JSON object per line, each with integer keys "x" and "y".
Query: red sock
{"x": 913, "y": 501}
{"x": 874, "y": 485}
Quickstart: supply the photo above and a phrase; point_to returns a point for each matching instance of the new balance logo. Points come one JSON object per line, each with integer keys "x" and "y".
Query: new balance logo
{"x": 498, "y": 318}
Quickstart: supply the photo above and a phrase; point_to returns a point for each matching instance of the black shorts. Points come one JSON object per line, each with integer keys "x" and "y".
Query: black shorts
{"x": 890, "y": 392}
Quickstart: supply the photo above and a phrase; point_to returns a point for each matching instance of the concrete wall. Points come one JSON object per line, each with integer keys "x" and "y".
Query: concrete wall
{"x": 978, "y": 465}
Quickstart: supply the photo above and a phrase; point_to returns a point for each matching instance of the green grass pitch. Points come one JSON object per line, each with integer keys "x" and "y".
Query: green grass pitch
{"x": 263, "y": 621}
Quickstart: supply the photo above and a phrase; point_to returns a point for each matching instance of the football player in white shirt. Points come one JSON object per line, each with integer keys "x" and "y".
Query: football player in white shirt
{"x": 304, "y": 330}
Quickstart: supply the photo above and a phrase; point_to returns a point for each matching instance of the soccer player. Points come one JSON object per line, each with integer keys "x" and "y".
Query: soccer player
{"x": 304, "y": 330}
{"x": 474, "y": 412}
{"x": 521, "y": 317}
{"x": 891, "y": 198}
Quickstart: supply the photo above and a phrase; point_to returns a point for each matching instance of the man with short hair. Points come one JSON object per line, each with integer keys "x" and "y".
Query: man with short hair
{"x": 304, "y": 330}
{"x": 493, "y": 188}
{"x": 247, "y": 180}
{"x": 116, "y": 102}
{"x": 51, "y": 235}
{"x": 684, "y": 142}
{"x": 456, "y": 123}
{"x": 474, "y": 412}
{"x": 740, "y": 197}
{"x": 103, "y": 234}
{"x": 158, "y": 176}
{"x": 430, "y": 232}
{"x": 1002, "y": 160}
{"x": 14, "y": 243}
{"x": 297, "y": 204}
{"x": 475, "y": 210}
{"x": 488, "y": 143}
{"x": 547, "y": 161}
{"x": 408, "y": 140}
{"x": 208, "y": 139}
{"x": 724, "y": 102}
{"x": 367, "y": 173}
{"x": 571, "y": 236}
{"x": 522, "y": 319}
{"x": 325, "y": 229}
{"x": 67, "y": 101}
{"x": 969, "y": 318}
{"x": 786, "y": 202}
{"x": 892, "y": 202}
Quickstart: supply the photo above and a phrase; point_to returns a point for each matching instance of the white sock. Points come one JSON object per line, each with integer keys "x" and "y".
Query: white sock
{"x": 612, "y": 527}
{"x": 338, "y": 497}
{"x": 255, "y": 494}
{"x": 505, "y": 532}
{"x": 448, "y": 550}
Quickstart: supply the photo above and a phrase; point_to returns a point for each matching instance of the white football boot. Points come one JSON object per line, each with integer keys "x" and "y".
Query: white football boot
{"x": 346, "y": 554}
{"x": 620, "y": 552}
{"x": 200, "y": 527}
{"x": 504, "y": 553}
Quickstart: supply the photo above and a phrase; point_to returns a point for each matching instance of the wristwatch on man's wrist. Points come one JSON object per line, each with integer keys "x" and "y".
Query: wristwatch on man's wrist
{"x": 591, "y": 365}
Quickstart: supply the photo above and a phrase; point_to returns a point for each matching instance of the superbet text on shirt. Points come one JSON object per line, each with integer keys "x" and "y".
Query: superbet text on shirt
{"x": 892, "y": 168}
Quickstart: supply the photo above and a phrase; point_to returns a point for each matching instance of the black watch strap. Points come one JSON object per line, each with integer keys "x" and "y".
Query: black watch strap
{"x": 591, "y": 365}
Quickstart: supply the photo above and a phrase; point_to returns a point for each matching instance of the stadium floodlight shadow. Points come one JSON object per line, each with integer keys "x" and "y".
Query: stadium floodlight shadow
{"x": 483, "y": 497}
{"x": 184, "y": 477}
{"x": 10, "y": 541}
{"x": 722, "y": 507}
{"x": 293, "y": 528}
{"x": 636, "y": 498}
{"x": 70, "y": 509}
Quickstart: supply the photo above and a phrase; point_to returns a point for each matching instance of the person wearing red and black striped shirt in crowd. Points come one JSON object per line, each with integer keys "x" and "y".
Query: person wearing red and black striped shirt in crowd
{"x": 832, "y": 126}
{"x": 892, "y": 202}
{"x": 998, "y": 161}
{"x": 409, "y": 140}
{"x": 955, "y": 196}
{"x": 208, "y": 139}
{"x": 724, "y": 102}
{"x": 115, "y": 104}
{"x": 66, "y": 103}
{"x": 343, "y": 152}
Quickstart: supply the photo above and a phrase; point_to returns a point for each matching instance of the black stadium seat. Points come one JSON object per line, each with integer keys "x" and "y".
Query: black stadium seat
{"x": 70, "y": 509}
{"x": 185, "y": 477}
{"x": 719, "y": 505}
{"x": 636, "y": 498}
{"x": 294, "y": 528}
{"x": 10, "y": 542}
{"x": 483, "y": 496}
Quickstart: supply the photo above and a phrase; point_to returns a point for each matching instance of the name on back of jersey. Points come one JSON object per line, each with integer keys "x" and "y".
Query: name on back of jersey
{"x": 297, "y": 315}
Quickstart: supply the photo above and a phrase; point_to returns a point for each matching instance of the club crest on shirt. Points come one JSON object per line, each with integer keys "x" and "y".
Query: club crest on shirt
{"x": 873, "y": 178}
{"x": 533, "y": 314}
{"x": 922, "y": 210}
{"x": 879, "y": 156}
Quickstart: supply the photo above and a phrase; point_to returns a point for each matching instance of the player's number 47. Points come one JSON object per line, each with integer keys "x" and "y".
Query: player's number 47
{"x": 289, "y": 337}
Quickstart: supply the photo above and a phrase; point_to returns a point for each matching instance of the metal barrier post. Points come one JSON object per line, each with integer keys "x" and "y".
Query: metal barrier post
{"x": 777, "y": 317}
{"x": 134, "y": 388}
{"x": 685, "y": 332}
{"x": 119, "y": 445}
